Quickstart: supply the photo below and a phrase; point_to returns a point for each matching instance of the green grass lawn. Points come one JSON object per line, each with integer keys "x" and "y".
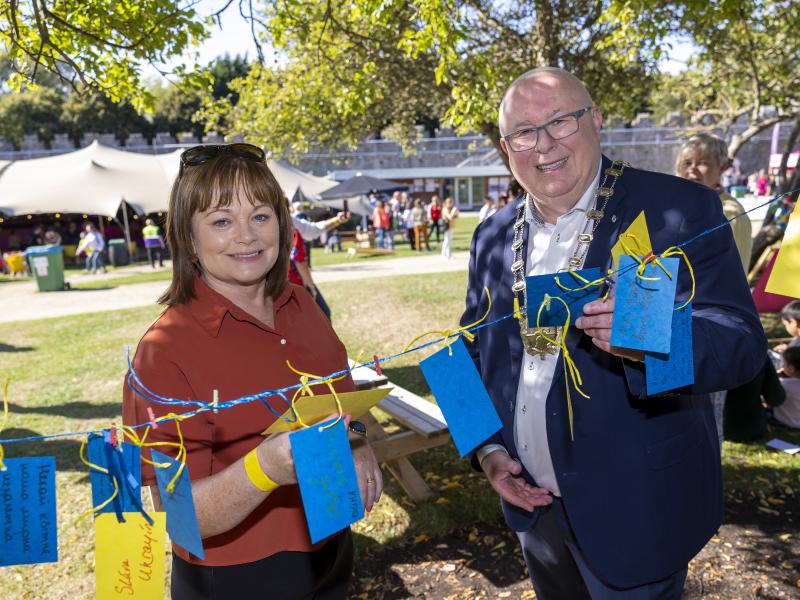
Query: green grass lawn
{"x": 67, "y": 374}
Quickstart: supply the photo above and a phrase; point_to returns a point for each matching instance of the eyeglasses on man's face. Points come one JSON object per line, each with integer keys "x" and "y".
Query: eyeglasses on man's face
{"x": 198, "y": 155}
{"x": 558, "y": 128}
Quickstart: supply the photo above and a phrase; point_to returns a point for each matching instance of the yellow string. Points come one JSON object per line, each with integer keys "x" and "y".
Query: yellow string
{"x": 675, "y": 251}
{"x": 451, "y": 335}
{"x": 569, "y": 365}
{"x": 517, "y": 313}
{"x": 142, "y": 443}
{"x": 305, "y": 390}
{"x": 5, "y": 421}
{"x": 102, "y": 505}
{"x": 586, "y": 282}
{"x": 640, "y": 270}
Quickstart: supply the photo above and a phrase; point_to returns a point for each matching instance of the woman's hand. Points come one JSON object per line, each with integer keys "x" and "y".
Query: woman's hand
{"x": 368, "y": 472}
{"x": 275, "y": 458}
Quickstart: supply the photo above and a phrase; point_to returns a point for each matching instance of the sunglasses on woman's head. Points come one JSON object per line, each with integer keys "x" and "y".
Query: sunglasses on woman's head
{"x": 198, "y": 155}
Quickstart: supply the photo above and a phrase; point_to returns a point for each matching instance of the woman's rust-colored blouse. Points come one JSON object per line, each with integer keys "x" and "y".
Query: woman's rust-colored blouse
{"x": 211, "y": 344}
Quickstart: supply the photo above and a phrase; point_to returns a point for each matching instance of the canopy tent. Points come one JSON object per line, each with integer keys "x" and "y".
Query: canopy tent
{"x": 97, "y": 178}
{"x": 355, "y": 191}
{"x": 361, "y": 185}
{"x": 295, "y": 182}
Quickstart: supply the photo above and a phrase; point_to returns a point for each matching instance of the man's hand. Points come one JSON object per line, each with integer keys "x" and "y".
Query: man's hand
{"x": 596, "y": 323}
{"x": 502, "y": 471}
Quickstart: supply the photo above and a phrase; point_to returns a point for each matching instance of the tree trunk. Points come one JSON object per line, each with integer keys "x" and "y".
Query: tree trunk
{"x": 492, "y": 131}
{"x": 784, "y": 185}
{"x": 739, "y": 140}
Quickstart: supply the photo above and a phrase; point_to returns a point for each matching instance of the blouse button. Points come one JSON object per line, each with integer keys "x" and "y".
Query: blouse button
{"x": 283, "y": 342}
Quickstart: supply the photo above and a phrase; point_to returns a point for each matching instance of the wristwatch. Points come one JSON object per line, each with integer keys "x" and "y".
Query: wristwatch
{"x": 358, "y": 428}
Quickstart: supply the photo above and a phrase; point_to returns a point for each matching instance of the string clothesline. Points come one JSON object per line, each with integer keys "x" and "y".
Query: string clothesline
{"x": 142, "y": 390}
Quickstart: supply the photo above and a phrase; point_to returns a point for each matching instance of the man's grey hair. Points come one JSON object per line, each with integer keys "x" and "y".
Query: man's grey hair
{"x": 707, "y": 146}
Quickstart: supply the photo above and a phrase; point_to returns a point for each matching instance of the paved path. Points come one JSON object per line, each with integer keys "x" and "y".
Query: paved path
{"x": 20, "y": 301}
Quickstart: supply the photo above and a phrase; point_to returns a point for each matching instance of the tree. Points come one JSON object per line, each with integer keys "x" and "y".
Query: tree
{"x": 29, "y": 112}
{"x": 92, "y": 112}
{"x": 347, "y": 70}
{"x": 746, "y": 62}
{"x": 97, "y": 45}
{"x": 177, "y": 107}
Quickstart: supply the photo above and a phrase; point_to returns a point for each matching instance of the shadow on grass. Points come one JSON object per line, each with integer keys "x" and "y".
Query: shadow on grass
{"x": 65, "y": 450}
{"x": 73, "y": 410}
{"x": 409, "y": 377}
{"x": 12, "y": 348}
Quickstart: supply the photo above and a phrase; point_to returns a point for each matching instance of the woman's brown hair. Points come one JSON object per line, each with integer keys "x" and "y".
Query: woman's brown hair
{"x": 219, "y": 182}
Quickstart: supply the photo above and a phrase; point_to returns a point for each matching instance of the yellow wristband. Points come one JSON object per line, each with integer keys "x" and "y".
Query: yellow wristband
{"x": 256, "y": 474}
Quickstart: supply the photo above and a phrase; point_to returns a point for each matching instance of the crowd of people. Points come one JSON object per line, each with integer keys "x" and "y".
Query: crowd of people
{"x": 416, "y": 220}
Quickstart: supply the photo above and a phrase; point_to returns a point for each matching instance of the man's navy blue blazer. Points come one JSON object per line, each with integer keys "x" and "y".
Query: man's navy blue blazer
{"x": 641, "y": 482}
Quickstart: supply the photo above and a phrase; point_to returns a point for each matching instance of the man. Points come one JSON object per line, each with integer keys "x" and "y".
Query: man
{"x": 619, "y": 510}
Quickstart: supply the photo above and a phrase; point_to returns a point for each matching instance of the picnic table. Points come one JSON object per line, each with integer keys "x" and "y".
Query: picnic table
{"x": 425, "y": 428}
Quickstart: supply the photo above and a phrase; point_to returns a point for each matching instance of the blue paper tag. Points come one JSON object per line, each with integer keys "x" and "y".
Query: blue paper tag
{"x": 537, "y": 286}
{"x": 643, "y": 308}
{"x": 179, "y": 505}
{"x": 129, "y": 498}
{"x": 327, "y": 478}
{"x": 28, "y": 532}
{"x": 674, "y": 370}
{"x": 460, "y": 393}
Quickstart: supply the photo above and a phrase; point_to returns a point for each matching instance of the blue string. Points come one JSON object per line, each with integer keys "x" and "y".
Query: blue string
{"x": 146, "y": 394}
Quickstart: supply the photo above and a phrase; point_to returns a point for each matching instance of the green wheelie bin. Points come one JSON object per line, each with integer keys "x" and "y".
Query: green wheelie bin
{"x": 46, "y": 264}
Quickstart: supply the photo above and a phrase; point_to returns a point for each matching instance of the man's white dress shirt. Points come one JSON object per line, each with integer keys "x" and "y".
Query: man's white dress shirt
{"x": 550, "y": 246}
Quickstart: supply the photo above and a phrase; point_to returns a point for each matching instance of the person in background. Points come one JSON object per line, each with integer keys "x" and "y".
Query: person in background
{"x": 703, "y": 158}
{"x": 790, "y": 317}
{"x": 420, "y": 218}
{"x": 487, "y": 210}
{"x": 37, "y": 237}
{"x": 450, "y": 216}
{"x": 435, "y": 217}
{"x": 300, "y": 272}
{"x": 380, "y": 222}
{"x": 153, "y": 243}
{"x": 762, "y": 183}
{"x": 408, "y": 222}
{"x": 52, "y": 237}
{"x": 502, "y": 201}
{"x": 745, "y": 416}
{"x": 93, "y": 244}
{"x": 14, "y": 241}
{"x": 788, "y": 413}
{"x": 233, "y": 323}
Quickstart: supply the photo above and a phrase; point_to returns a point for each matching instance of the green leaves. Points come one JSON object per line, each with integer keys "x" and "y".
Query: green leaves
{"x": 97, "y": 44}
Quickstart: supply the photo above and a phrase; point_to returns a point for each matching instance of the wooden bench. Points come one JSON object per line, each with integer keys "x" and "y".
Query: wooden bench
{"x": 425, "y": 424}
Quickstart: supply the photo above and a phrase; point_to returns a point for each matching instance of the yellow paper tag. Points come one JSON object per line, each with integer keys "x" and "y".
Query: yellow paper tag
{"x": 636, "y": 238}
{"x": 785, "y": 276}
{"x": 313, "y": 409}
{"x": 129, "y": 556}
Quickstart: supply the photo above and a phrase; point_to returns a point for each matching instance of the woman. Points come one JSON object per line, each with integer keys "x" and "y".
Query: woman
{"x": 420, "y": 217}
{"x": 450, "y": 215}
{"x": 231, "y": 324}
{"x": 93, "y": 244}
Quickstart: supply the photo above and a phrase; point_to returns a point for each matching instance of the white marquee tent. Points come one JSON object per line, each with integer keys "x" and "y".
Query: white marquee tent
{"x": 96, "y": 179}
